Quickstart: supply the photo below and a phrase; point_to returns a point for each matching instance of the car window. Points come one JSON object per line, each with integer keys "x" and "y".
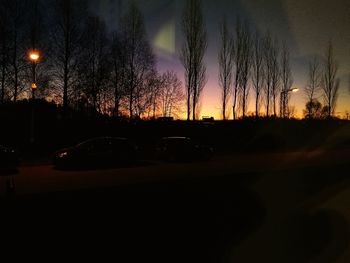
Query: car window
{"x": 95, "y": 144}
{"x": 120, "y": 144}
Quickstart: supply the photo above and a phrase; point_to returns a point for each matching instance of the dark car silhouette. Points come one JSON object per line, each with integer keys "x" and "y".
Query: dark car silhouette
{"x": 97, "y": 152}
{"x": 183, "y": 149}
{"x": 8, "y": 158}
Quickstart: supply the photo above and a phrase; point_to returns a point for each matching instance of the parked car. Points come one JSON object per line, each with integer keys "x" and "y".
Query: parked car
{"x": 97, "y": 152}
{"x": 183, "y": 149}
{"x": 8, "y": 158}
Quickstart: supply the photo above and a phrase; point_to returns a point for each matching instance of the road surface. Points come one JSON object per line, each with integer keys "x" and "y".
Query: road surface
{"x": 45, "y": 178}
{"x": 270, "y": 207}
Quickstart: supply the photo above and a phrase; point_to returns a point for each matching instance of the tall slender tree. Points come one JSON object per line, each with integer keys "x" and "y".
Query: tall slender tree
{"x": 330, "y": 82}
{"x": 268, "y": 69}
{"x": 17, "y": 14}
{"x": 226, "y": 62}
{"x": 287, "y": 81}
{"x": 139, "y": 58}
{"x": 275, "y": 76}
{"x": 258, "y": 74}
{"x": 66, "y": 33}
{"x": 118, "y": 71}
{"x": 94, "y": 67}
{"x": 238, "y": 62}
{"x": 192, "y": 53}
{"x": 245, "y": 66}
{"x": 4, "y": 49}
{"x": 313, "y": 86}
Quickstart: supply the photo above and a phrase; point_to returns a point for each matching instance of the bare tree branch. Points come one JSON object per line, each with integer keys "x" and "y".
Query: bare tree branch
{"x": 258, "y": 74}
{"x": 330, "y": 82}
{"x": 226, "y": 62}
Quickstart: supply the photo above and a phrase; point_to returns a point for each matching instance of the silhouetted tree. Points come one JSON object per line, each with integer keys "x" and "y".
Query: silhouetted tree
{"x": 313, "y": 109}
{"x": 37, "y": 39}
{"x": 17, "y": 13}
{"x": 275, "y": 76}
{"x": 312, "y": 88}
{"x": 94, "y": 66}
{"x": 226, "y": 62}
{"x": 330, "y": 82}
{"x": 147, "y": 95}
{"x": 287, "y": 81}
{"x": 171, "y": 94}
{"x": 268, "y": 69}
{"x": 258, "y": 74}
{"x": 118, "y": 71}
{"x": 65, "y": 36}
{"x": 160, "y": 84}
{"x": 192, "y": 53}
{"x": 238, "y": 61}
{"x": 4, "y": 49}
{"x": 246, "y": 62}
{"x": 139, "y": 58}
{"x": 325, "y": 112}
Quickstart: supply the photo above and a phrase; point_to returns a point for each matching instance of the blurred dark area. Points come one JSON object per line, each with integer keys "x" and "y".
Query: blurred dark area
{"x": 188, "y": 220}
{"x": 228, "y": 214}
{"x": 95, "y": 166}
{"x": 55, "y": 129}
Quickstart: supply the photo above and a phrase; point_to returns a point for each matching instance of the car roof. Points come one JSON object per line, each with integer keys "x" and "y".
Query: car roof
{"x": 107, "y": 138}
{"x": 99, "y": 139}
{"x": 176, "y": 138}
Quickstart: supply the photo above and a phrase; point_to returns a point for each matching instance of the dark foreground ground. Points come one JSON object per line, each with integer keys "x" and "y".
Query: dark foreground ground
{"x": 262, "y": 207}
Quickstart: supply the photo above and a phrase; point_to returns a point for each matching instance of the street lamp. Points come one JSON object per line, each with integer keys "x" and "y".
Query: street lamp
{"x": 284, "y": 94}
{"x": 34, "y": 57}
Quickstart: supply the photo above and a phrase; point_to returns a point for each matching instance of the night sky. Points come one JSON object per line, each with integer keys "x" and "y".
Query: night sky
{"x": 306, "y": 26}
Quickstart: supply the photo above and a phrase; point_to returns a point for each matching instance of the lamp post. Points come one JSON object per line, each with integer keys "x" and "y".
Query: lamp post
{"x": 34, "y": 57}
{"x": 284, "y": 93}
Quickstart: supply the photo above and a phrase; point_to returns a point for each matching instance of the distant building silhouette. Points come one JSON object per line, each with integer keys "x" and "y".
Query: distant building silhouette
{"x": 165, "y": 119}
{"x": 207, "y": 118}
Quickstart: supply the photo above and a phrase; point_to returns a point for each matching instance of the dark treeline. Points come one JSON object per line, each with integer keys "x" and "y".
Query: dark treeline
{"x": 83, "y": 66}
{"x": 86, "y": 67}
{"x": 53, "y": 132}
{"x": 256, "y": 65}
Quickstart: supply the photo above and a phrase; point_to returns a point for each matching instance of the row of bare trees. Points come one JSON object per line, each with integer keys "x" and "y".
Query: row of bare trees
{"x": 85, "y": 67}
{"x": 16, "y": 33}
{"x": 323, "y": 84}
{"x": 82, "y": 65}
{"x": 113, "y": 74}
{"x": 252, "y": 61}
{"x": 248, "y": 61}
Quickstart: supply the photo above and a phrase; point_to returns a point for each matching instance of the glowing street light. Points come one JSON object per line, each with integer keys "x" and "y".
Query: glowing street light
{"x": 34, "y": 56}
{"x": 284, "y": 94}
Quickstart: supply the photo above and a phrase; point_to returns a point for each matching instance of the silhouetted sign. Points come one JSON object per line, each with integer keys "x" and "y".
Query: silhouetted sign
{"x": 205, "y": 118}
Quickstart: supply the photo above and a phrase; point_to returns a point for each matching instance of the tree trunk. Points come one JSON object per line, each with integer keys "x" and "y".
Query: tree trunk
{"x": 235, "y": 103}
{"x": 268, "y": 102}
